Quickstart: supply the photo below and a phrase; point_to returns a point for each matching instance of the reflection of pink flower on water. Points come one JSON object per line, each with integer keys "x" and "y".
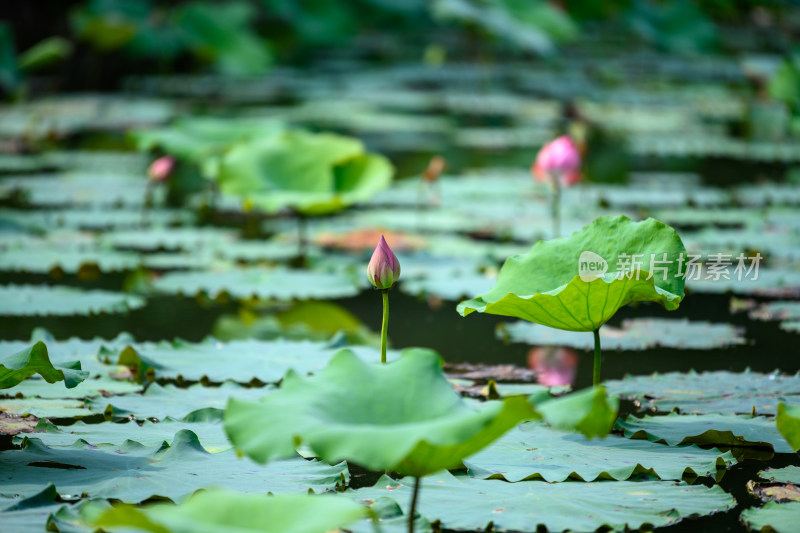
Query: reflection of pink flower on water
{"x": 553, "y": 366}
{"x": 559, "y": 159}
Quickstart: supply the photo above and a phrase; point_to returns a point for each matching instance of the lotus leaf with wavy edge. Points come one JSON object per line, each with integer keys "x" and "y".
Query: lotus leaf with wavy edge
{"x": 543, "y": 285}
{"x": 403, "y": 416}
{"x": 34, "y": 360}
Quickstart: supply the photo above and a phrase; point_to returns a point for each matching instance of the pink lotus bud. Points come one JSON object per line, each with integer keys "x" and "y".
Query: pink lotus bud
{"x": 553, "y": 366}
{"x": 558, "y": 159}
{"x": 161, "y": 168}
{"x": 384, "y": 268}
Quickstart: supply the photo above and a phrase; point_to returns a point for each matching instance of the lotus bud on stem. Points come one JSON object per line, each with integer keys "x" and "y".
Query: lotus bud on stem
{"x": 558, "y": 164}
{"x": 158, "y": 172}
{"x": 383, "y": 272}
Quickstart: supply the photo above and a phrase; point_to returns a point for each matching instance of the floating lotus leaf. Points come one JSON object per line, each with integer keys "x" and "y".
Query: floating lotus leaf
{"x": 447, "y": 286}
{"x": 788, "y": 422}
{"x": 710, "y": 392}
{"x": 721, "y": 431}
{"x": 635, "y": 334}
{"x": 69, "y": 260}
{"x": 197, "y": 138}
{"x": 465, "y": 503}
{"x": 22, "y": 515}
{"x": 170, "y": 401}
{"x": 534, "y": 451}
{"x": 190, "y": 239}
{"x": 74, "y": 189}
{"x": 277, "y": 283}
{"x": 88, "y": 388}
{"x": 781, "y": 310}
{"x": 306, "y": 320}
{"x": 133, "y": 473}
{"x": 16, "y": 367}
{"x": 789, "y": 474}
{"x": 38, "y": 300}
{"x": 207, "y": 428}
{"x": 777, "y": 517}
{"x": 771, "y": 282}
{"x": 242, "y": 361}
{"x": 223, "y": 510}
{"x": 313, "y": 174}
{"x": 45, "y": 407}
{"x": 543, "y": 286}
{"x": 403, "y": 416}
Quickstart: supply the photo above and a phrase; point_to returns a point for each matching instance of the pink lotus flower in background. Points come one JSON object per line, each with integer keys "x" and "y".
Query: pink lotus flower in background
{"x": 161, "y": 168}
{"x": 384, "y": 268}
{"x": 560, "y": 160}
{"x": 553, "y": 366}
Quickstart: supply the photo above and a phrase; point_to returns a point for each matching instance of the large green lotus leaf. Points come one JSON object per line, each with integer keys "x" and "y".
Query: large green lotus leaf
{"x": 223, "y": 510}
{"x": 171, "y": 401}
{"x": 195, "y": 138}
{"x": 242, "y": 361}
{"x": 788, "y": 423}
{"x": 534, "y": 451}
{"x": 39, "y": 300}
{"x": 16, "y": 367}
{"x": 208, "y": 429}
{"x": 720, "y": 431}
{"x": 543, "y": 286}
{"x": 773, "y": 516}
{"x": 462, "y": 502}
{"x": 313, "y": 174}
{"x": 710, "y": 392}
{"x": 88, "y": 388}
{"x": 263, "y": 283}
{"x": 635, "y": 334}
{"x": 403, "y": 416}
{"x": 133, "y": 473}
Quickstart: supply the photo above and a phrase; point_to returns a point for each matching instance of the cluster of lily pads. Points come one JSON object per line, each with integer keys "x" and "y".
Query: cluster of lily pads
{"x": 91, "y": 233}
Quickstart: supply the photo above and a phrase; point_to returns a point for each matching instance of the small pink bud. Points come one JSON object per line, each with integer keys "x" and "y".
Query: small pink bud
{"x": 434, "y": 169}
{"x": 558, "y": 159}
{"x": 161, "y": 168}
{"x": 384, "y": 268}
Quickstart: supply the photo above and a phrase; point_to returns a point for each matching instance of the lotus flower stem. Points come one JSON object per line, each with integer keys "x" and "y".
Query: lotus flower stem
{"x": 555, "y": 207}
{"x": 385, "y": 324}
{"x": 413, "y": 511}
{"x": 597, "y": 358}
{"x": 148, "y": 201}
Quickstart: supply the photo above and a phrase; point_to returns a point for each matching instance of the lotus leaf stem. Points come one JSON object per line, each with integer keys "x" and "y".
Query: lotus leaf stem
{"x": 413, "y": 511}
{"x": 385, "y": 324}
{"x": 555, "y": 206}
{"x": 597, "y": 358}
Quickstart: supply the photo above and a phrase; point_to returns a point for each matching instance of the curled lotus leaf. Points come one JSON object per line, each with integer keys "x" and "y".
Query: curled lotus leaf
{"x": 16, "y": 367}
{"x": 578, "y": 283}
{"x": 402, "y": 416}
